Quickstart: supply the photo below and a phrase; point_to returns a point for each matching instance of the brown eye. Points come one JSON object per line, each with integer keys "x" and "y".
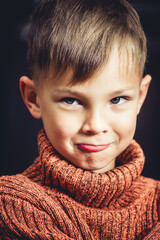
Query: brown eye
{"x": 118, "y": 100}
{"x": 70, "y": 101}
{"x": 115, "y": 100}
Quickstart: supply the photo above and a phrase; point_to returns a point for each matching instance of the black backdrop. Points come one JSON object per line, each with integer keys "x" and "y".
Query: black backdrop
{"x": 18, "y": 130}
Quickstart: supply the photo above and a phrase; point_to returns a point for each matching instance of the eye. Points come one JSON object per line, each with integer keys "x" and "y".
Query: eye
{"x": 70, "y": 101}
{"x": 118, "y": 100}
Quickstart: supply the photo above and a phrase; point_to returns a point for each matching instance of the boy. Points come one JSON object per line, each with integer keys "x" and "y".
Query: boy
{"x": 86, "y": 60}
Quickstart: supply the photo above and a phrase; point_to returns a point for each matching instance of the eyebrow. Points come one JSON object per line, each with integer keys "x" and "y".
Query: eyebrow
{"x": 122, "y": 91}
{"x": 117, "y": 92}
{"x": 64, "y": 91}
{"x": 68, "y": 91}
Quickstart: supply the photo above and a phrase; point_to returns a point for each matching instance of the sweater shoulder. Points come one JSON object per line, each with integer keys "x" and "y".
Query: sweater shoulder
{"x": 153, "y": 185}
{"x": 21, "y": 187}
{"x": 158, "y": 187}
{"x": 16, "y": 186}
{"x": 27, "y": 211}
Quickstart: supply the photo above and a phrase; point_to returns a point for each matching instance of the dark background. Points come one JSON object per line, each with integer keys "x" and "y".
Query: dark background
{"x": 18, "y": 129}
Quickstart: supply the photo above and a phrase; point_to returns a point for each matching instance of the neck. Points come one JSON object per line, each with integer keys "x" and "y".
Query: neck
{"x": 89, "y": 188}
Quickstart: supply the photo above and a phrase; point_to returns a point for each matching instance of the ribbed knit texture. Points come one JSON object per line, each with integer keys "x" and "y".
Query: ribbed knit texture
{"x": 54, "y": 199}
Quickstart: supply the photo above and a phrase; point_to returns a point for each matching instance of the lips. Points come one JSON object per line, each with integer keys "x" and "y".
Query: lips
{"x": 92, "y": 148}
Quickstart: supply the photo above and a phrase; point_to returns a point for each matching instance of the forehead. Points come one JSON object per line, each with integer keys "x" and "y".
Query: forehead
{"x": 120, "y": 65}
{"x": 108, "y": 80}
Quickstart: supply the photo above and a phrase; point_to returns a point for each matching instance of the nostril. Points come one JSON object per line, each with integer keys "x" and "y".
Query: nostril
{"x": 94, "y": 123}
{"x": 91, "y": 129}
{"x": 90, "y": 133}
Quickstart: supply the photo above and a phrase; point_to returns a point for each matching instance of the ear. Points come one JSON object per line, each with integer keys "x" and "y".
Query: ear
{"x": 29, "y": 95}
{"x": 145, "y": 82}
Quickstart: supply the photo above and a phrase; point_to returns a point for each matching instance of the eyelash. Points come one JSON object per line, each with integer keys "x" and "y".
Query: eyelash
{"x": 70, "y": 100}
{"x": 119, "y": 99}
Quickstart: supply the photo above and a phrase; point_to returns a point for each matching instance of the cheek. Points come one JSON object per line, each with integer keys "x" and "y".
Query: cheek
{"x": 126, "y": 125}
{"x": 63, "y": 127}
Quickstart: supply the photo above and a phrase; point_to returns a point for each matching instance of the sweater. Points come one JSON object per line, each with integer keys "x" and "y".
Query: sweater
{"x": 53, "y": 199}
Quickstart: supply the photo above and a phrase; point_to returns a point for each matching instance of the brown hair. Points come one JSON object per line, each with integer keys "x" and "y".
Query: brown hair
{"x": 80, "y": 34}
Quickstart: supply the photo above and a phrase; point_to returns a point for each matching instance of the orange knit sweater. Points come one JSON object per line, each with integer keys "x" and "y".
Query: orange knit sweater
{"x": 53, "y": 199}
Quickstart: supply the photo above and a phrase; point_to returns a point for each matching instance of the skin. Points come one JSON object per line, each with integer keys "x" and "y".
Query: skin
{"x": 91, "y": 123}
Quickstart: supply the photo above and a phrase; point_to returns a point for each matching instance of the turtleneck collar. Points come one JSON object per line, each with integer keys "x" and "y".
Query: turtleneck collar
{"x": 90, "y": 189}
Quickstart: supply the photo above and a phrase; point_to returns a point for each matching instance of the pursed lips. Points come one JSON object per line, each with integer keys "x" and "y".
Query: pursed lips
{"x": 93, "y": 148}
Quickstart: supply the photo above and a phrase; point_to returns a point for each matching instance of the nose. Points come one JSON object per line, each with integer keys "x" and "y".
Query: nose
{"x": 95, "y": 123}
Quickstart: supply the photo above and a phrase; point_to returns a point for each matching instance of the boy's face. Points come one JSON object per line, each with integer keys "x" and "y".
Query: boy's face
{"x": 91, "y": 123}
